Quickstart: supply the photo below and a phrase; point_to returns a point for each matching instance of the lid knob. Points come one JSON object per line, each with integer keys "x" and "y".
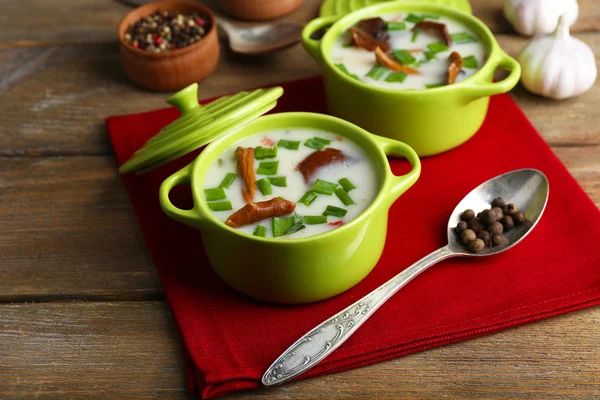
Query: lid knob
{"x": 186, "y": 100}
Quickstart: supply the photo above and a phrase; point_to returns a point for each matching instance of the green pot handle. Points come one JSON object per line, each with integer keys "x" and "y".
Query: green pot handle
{"x": 313, "y": 46}
{"x": 188, "y": 217}
{"x": 400, "y": 183}
{"x": 483, "y": 89}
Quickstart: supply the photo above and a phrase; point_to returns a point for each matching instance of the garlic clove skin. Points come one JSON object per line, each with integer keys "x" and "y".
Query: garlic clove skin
{"x": 558, "y": 66}
{"x": 534, "y": 17}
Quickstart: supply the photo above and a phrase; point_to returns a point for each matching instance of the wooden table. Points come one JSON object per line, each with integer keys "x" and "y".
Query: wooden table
{"x": 82, "y": 312}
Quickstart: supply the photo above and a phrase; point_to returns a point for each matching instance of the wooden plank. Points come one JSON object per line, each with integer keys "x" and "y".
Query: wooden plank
{"x": 81, "y": 85}
{"x": 43, "y": 23}
{"x": 130, "y": 350}
{"x": 87, "y": 241}
{"x": 26, "y": 23}
{"x": 67, "y": 230}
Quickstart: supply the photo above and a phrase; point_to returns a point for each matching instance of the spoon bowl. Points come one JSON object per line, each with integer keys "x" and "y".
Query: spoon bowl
{"x": 260, "y": 39}
{"x": 527, "y": 188}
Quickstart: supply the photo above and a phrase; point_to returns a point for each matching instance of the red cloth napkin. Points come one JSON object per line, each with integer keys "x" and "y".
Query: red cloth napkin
{"x": 230, "y": 339}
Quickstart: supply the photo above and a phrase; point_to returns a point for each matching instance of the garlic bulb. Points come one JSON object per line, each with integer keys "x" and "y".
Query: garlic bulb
{"x": 558, "y": 65}
{"x": 533, "y": 17}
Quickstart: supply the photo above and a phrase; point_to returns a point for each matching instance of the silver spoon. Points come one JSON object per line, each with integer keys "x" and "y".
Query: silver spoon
{"x": 260, "y": 39}
{"x": 527, "y": 188}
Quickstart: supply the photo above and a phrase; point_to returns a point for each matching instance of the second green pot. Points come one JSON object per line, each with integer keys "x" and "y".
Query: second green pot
{"x": 430, "y": 121}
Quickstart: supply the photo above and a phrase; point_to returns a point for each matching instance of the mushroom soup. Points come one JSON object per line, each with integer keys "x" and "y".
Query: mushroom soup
{"x": 408, "y": 51}
{"x": 290, "y": 183}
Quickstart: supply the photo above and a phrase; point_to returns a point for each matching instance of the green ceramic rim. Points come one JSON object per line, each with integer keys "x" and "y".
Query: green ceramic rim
{"x": 373, "y": 150}
{"x": 479, "y": 28}
{"x": 343, "y": 7}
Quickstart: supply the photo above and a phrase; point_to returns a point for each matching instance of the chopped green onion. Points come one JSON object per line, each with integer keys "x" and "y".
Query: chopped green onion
{"x": 346, "y": 184}
{"x": 396, "y": 77}
{"x": 404, "y": 57}
{"x": 260, "y": 153}
{"x": 377, "y": 72}
{"x": 415, "y": 35}
{"x": 321, "y": 140}
{"x": 430, "y": 55}
{"x": 308, "y": 198}
{"x": 344, "y": 197}
{"x": 414, "y": 18}
{"x": 470, "y": 62}
{"x": 215, "y": 194}
{"x": 260, "y": 231}
{"x": 314, "y": 144}
{"x": 437, "y": 47}
{"x": 429, "y": 16}
{"x": 349, "y": 44}
{"x": 335, "y": 211}
{"x": 343, "y": 68}
{"x": 281, "y": 225}
{"x": 280, "y": 181}
{"x": 289, "y": 144}
{"x": 463, "y": 37}
{"x": 298, "y": 226}
{"x": 314, "y": 219}
{"x": 395, "y": 26}
{"x": 220, "y": 206}
{"x": 228, "y": 180}
{"x": 434, "y": 85}
{"x": 264, "y": 186}
{"x": 268, "y": 168}
{"x": 323, "y": 187}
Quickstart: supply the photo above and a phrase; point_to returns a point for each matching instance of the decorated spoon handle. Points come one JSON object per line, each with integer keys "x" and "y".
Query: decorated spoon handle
{"x": 320, "y": 341}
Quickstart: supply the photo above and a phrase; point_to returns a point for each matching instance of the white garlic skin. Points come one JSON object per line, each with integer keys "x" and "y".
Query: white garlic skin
{"x": 535, "y": 17}
{"x": 558, "y": 66}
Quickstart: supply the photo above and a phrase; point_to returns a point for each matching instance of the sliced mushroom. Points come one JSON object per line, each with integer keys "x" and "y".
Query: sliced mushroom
{"x": 384, "y": 59}
{"x": 436, "y": 29}
{"x": 455, "y": 66}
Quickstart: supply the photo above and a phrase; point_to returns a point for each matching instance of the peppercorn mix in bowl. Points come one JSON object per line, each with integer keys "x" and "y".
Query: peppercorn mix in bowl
{"x": 166, "y": 46}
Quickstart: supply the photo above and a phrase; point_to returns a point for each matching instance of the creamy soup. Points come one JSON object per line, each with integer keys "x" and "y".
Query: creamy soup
{"x": 328, "y": 178}
{"x": 417, "y": 42}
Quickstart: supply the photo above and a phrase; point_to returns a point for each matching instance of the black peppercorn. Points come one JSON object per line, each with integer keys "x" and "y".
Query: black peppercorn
{"x": 507, "y": 222}
{"x": 518, "y": 218}
{"x": 510, "y": 209}
{"x": 487, "y": 217}
{"x": 498, "y": 240}
{"x": 496, "y": 228}
{"x": 477, "y": 245}
{"x": 498, "y": 202}
{"x": 467, "y": 215}
{"x": 475, "y": 225}
{"x": 461, "y": 227}
{"x": 499, "y": 213}
{"x": 485, "y": 236}
{"x": 468, "y": 236}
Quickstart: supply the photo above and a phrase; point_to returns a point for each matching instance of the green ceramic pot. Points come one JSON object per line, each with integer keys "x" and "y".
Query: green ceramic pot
{"x": 430, "y": 121}
{"x": 304, "y": 269}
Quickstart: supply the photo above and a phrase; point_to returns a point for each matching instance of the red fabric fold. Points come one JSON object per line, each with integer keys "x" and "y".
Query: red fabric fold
{"x": 230, "y": 339}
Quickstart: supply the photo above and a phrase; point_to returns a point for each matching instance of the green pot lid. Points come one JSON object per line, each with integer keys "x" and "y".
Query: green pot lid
{"x": 199, "y": 125}
{"x": 343, "y": 7}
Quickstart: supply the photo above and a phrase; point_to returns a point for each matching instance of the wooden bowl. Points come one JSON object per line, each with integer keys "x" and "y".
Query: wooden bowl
{"x": 170, "y": 70}
{"x": 258, "y": 10}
